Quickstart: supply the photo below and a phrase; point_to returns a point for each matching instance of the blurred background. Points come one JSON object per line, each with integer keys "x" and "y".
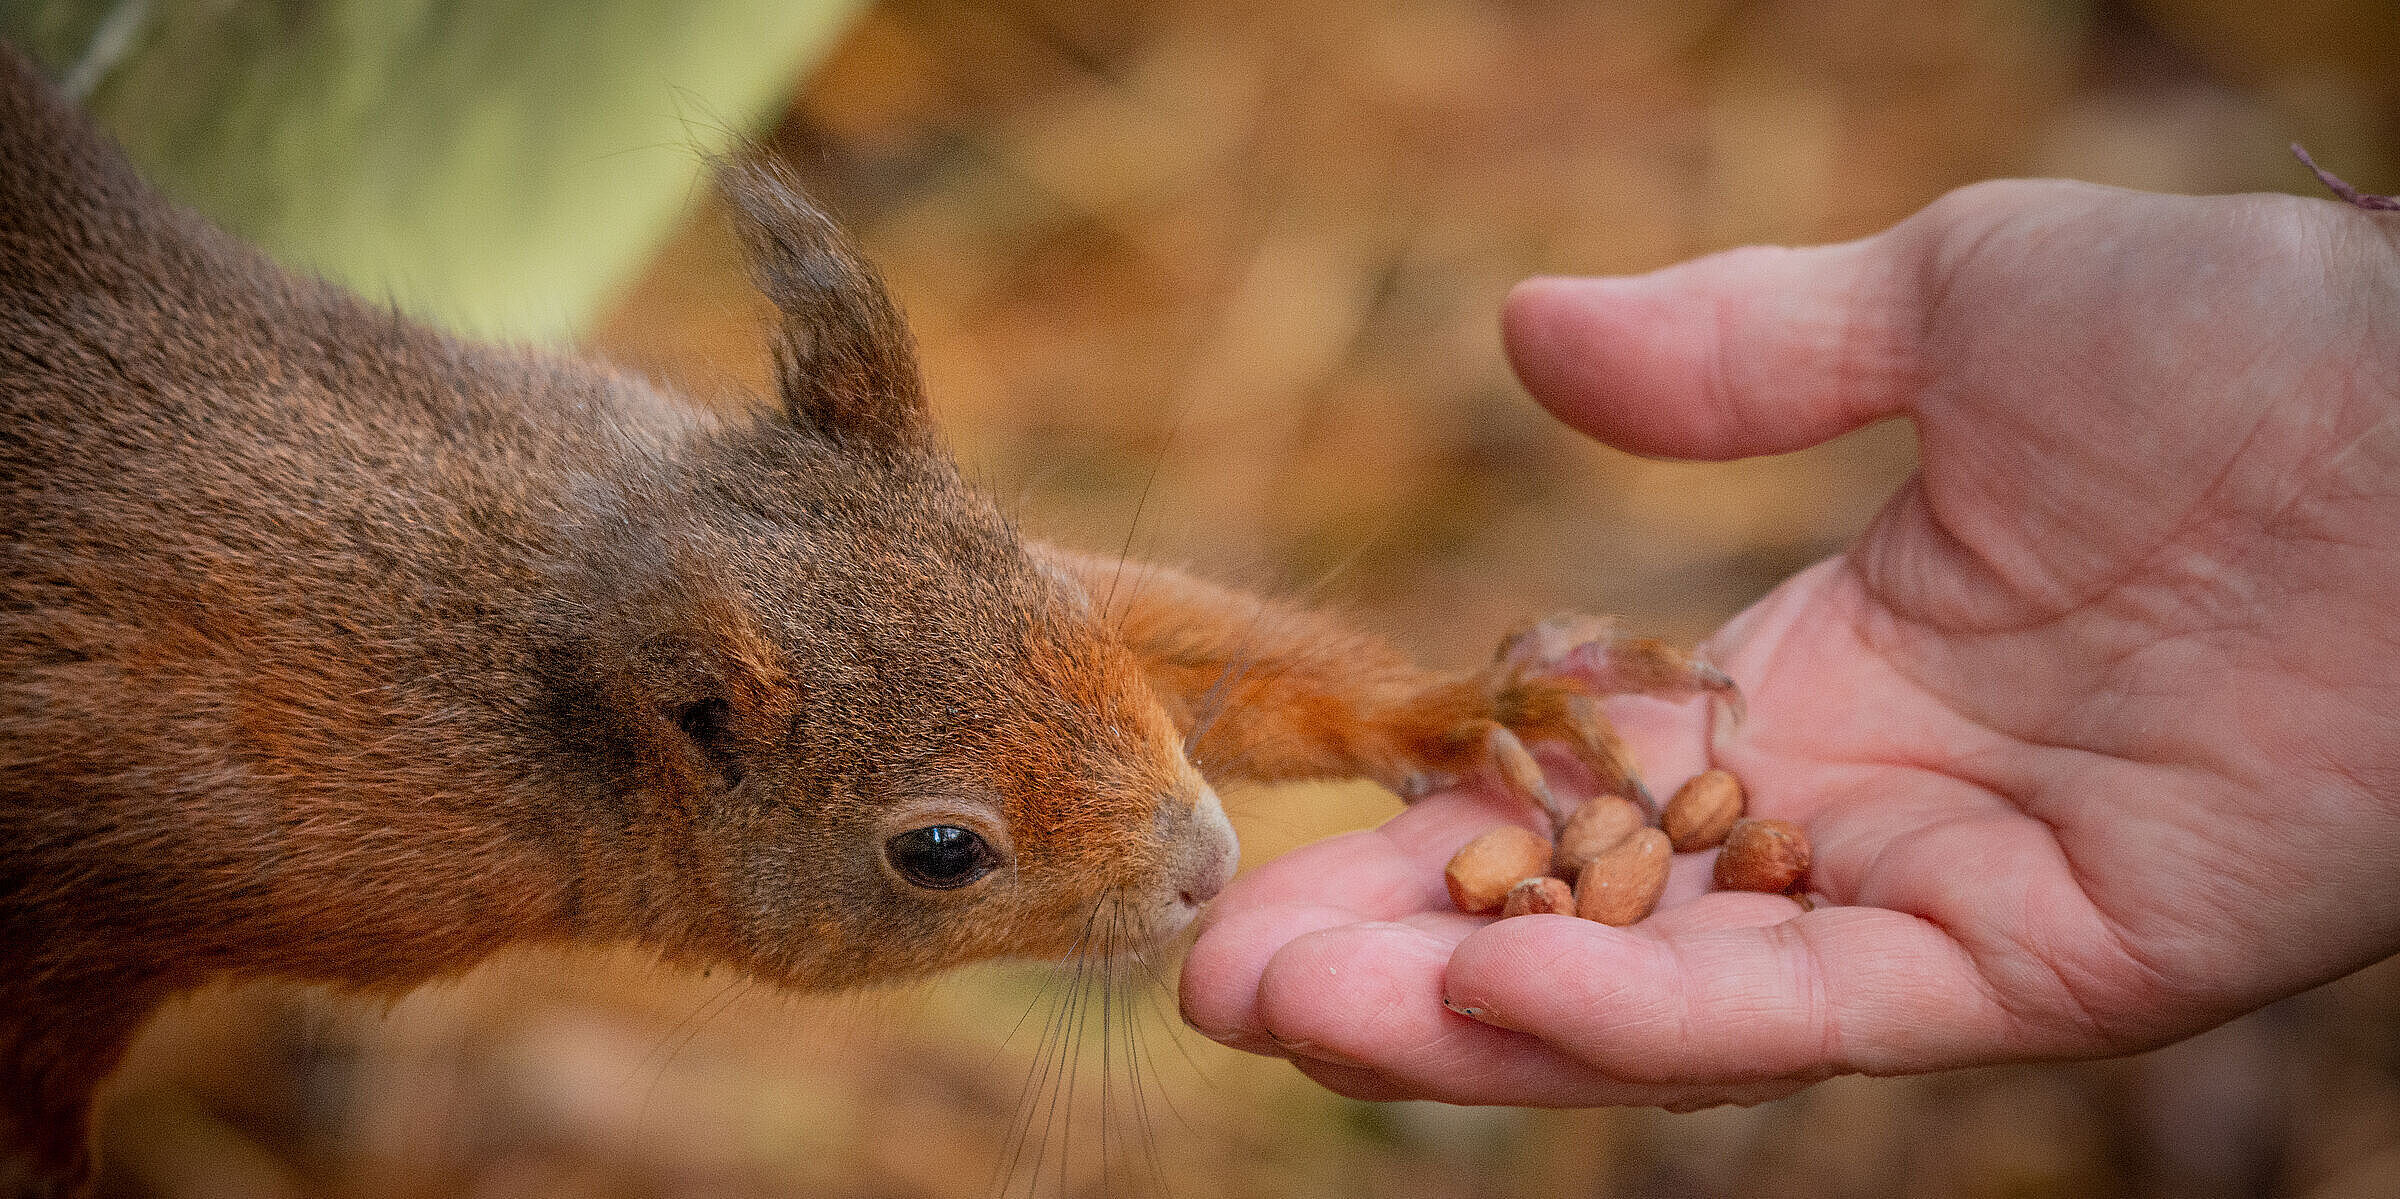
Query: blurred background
{"x": 1244, "y": 260}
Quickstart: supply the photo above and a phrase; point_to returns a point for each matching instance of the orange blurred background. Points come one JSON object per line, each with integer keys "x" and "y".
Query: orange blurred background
{"x": 1245, "y": 260}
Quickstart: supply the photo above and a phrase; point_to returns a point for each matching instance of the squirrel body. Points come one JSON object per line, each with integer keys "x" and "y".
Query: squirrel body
{"x": 335, "y": 648}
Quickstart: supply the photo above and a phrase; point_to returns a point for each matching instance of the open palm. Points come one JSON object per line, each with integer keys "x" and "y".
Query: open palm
{"x": 2096, "y": 730}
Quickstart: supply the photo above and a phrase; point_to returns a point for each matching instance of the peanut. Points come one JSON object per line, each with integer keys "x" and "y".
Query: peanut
{"x": 1597, "y": 827}
{"x": 1538, "y": 897}
{"x": 1482, "y": 871}
{"x": 1623, "y": 884}
{"x": 1703, "y": 811}
{"x": 1763, "y": 855}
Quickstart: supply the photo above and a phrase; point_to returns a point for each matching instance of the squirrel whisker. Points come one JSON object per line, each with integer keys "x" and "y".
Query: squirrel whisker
{"x": 1142, "y": 978}
{"x": 1047, "y": 1072}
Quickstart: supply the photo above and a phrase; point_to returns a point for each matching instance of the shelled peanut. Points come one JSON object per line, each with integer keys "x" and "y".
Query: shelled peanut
{"x": 1484, "y": 869}
{"x": 1703, "y": 811}
{"x": 1607, "y": 863}
{"x": 1623, "y": 884}
{"x": 1594, "y": 829}
{"x": 1763, "y": 855}
{"x": 1539, "y": 896}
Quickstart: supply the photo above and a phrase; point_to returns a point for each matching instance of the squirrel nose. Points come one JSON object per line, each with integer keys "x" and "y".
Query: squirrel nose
{"x": 1209, "y": 855}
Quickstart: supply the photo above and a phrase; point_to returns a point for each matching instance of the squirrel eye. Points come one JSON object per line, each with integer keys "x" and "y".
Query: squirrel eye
{"x": 709, "y": 723}
{"x": 940, "y": 857}
{"x": 705, "y": 721}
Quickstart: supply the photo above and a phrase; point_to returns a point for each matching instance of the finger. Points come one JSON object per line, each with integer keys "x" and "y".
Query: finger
{"x": 1752, "y": 351}
{"x": 1836, "y": 990}
{"x": 1380, "y": 873}
{"x": 1223, "y": 975}
{"x": 1219, "y": 987}
{"x": 1359, "y": 1007}
{"x": 1389, "y": 873}
{"x": 1717, "y": 910}
{"x": 1433, "y": 829}
{"x": 1369, "y": 997}
{"x": 1374, "y": 1086}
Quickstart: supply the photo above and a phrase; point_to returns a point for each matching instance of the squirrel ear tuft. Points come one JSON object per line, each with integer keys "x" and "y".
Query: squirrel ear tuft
{"x": 844, "y": 361}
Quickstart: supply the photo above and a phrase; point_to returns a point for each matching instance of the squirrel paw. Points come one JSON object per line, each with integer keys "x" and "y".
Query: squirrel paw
{"x": 1544, "y": 684}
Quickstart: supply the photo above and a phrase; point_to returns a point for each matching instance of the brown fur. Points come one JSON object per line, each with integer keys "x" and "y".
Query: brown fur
{"x": 334, "y": 648}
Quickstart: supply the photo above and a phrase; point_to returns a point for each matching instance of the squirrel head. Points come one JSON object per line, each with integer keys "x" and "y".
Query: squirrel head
{"x": 856, "y": 729}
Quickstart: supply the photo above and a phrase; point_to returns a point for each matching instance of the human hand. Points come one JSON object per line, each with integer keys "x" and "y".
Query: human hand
{"x": 2096, "y": 730}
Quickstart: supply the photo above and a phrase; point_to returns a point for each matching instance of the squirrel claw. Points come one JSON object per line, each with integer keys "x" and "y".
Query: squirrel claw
{"x": 1548, "y": 643}
{"x": 1520, "y": 773}
{"x": 1544, "y": 684}
{"x": 1721, "y": 689}
{"x": 1639, "y": 792}
{"x": 1595, "y": 651}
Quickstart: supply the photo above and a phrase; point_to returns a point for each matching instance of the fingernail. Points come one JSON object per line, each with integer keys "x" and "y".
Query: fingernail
{"x": 1315, "y": 1052}
{"x": 1235, "y": 1038}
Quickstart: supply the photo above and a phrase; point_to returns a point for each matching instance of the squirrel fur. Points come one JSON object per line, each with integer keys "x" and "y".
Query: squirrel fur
{"x": 336, "y": 648}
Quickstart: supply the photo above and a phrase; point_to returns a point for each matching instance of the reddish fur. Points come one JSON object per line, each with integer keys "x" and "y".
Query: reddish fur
{"x": 334, "y": 648}
{"x": 1282, "y": 693}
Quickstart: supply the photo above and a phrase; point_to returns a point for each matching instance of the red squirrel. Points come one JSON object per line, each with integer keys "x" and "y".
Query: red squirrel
{"x": 335, "y": 648}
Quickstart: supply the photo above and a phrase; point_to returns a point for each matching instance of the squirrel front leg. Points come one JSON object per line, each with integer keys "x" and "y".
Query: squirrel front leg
{"x": 1268, "y": 691}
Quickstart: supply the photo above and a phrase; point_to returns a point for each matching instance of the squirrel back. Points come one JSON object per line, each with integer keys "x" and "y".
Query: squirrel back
{"x": 335, "y": 648}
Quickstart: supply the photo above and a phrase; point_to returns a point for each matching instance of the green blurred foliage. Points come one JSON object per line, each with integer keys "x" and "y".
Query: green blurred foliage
{"x": 498, "y": 165}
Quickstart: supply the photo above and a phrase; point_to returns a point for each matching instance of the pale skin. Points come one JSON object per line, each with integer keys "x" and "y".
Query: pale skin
{"x": 2096, "y": 729}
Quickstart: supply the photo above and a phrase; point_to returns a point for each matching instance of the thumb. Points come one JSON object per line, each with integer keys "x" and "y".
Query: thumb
{"x": 1752, "y": 351}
